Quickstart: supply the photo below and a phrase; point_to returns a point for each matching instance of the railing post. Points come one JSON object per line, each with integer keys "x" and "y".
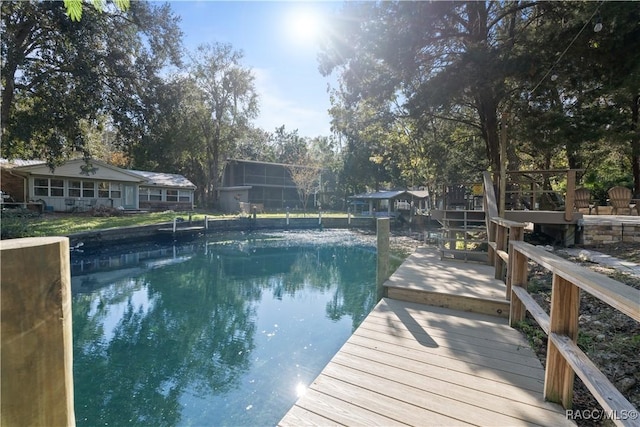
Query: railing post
{"x": 563, "y": 320}
{"x": 569, "y": 199}
{"x": 36, "y": 334}
{"x": 519, "y": 272}
{"x": 382, "y": 231}
{"x": 516, "y": 234}
{"x": 492, "y": 239}
{"x": 501, "y": 245}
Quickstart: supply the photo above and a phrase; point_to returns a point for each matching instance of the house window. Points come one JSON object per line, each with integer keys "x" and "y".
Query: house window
{"x": 150, "y": 194}
{"x": 74, "y": 188}
{"x": 108, "y": 190}
{"x": 155, "y": 194}
{"x": 184, "y": 196}
{"x": 103, "y": 190}
{"x": 48, "y": 187}
{"x": 116, "y": 190}
{"x": 172, "y": 195}
{"x": 82, "y": 189}
{"x": 88, "y": 189}
{"x": 57, "y": 187}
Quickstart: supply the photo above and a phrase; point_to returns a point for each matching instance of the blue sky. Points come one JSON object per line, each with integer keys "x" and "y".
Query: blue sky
{"x": 283, "y": 56}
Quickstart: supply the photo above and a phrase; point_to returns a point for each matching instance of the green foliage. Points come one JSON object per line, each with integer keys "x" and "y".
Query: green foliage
{"x": 612, "y": 170}
{"x": 255, "y": 144}
{"x": 74, "y": 7}
{"x": 17, "y": 223}
{"x": 442, "y": 71}
{"x": 61, "y": 78}
{"x": 535, "y": 335}
{"x": 288, "y": 147}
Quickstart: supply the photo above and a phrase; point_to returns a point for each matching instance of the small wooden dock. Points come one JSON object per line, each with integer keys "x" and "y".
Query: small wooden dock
{"x": 181, "y": 232}
{"x": 414, "y": 364}
{"x": 468, "y": 286}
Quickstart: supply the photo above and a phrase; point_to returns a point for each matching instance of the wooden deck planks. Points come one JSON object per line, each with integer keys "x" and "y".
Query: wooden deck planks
{"x": 424, "y": 270}
{"x": 467, "y": 378}
{"x": 420, "y": 365}
{"x": 330, "y": 410}
{"x": 439, "y": 396}
{"x": 415, "y": 364}
{"x": 456, "y": 342}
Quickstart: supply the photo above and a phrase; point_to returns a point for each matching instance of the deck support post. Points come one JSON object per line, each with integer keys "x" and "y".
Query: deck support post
{"x": 501, "y": 245}
{"x": 36, "y": 334}
{"x": 563, "y": 320}
{"x": 382, "y": 232}
{"x": 518, "y": 272}
{"x": 516, "y": 233}
{"x": 569, "y": 200}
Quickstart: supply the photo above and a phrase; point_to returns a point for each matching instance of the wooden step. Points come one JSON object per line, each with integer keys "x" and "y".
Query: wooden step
{"x": 490, "y": 306}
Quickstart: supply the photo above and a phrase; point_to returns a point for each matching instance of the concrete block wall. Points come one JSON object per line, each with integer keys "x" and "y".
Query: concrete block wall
{"x": 605, "y": 232}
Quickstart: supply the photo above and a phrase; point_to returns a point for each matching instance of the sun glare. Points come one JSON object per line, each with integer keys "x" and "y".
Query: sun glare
{"x": 304, "y": 25}
{"x": 300, "y": 389}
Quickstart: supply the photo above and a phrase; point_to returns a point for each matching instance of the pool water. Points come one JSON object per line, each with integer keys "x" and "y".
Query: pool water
{"x": 219, "y": 331}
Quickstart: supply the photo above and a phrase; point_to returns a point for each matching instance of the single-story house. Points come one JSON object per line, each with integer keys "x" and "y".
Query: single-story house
{"x": 80, "y": 184}
{"x": 391, "y": 202}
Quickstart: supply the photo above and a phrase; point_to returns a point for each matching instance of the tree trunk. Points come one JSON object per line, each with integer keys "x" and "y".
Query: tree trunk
{"x": 14, "y": 57}
{"x": 635, "y": 145}
{"x": 483, "y": 92}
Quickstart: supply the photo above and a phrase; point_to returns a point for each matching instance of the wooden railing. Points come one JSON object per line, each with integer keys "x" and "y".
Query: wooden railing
{"x": 564, "y": 357}
{"x": 535, "y": 190}
{"x": 499, "y": 232}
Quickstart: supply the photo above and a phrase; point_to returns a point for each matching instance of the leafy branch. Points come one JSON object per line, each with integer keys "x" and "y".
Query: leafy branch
{"x": 74, "y": 7}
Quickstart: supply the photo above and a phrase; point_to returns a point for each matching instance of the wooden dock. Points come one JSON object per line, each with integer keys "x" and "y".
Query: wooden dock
{"x": 417, "y": 364}
{"x": 469, "y": 286}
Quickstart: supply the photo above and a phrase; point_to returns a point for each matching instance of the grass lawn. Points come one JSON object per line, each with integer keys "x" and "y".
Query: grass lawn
{"x": 62, "y": 224}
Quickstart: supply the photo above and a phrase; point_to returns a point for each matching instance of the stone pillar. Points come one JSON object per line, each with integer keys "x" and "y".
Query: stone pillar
{"x": 36, "y": 335}
{"x": 382, "y": 231}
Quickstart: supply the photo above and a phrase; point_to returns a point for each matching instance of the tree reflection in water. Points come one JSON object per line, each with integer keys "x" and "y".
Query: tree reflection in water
{"x": 214, "y": 332}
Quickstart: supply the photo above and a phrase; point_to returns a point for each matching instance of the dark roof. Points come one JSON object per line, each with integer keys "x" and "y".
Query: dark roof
{"x": 164, "y": 179}
{"x": 390, "y": 194}
{"x": 379, "y": 195}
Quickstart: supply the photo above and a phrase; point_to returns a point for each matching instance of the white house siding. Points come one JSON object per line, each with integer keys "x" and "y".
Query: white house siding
{"x": 81, "y": 185}
{"x": 78, "y": 182}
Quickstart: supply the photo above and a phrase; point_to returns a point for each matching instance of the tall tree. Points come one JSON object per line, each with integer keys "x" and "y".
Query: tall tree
{"x": 432, "y": 58}
{"x": 58, "y": 74}
{"x": 305, "y": 173}
{"x": 288, "y": 146}
{"x": 175, "y": 139}
{"x": 440, "y": 60}
{"x": 255, "y": 145}
{"x": 228, "y": 92}
{"x": 587, "y": 84}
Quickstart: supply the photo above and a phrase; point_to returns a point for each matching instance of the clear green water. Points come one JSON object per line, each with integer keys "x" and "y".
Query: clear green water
{"x": 226, "y": 331}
